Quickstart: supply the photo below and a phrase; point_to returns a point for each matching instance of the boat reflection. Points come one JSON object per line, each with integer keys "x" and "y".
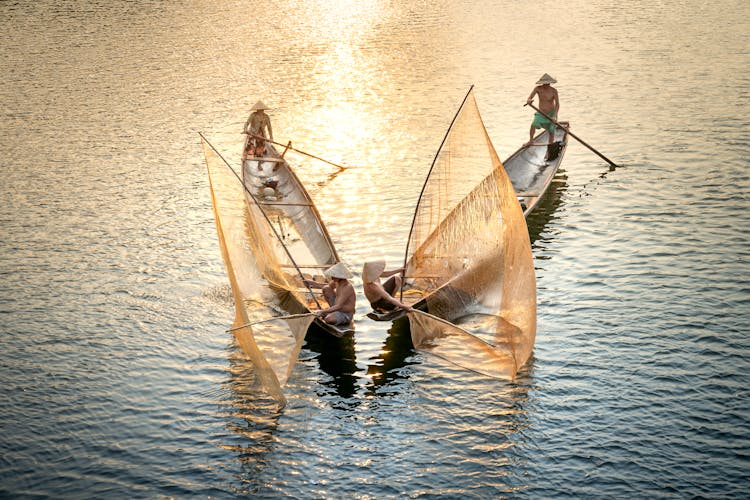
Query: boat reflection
{"x": 547, "y": 211}
{"x": 336, "y": 357}
{"x": 387, "y": 369}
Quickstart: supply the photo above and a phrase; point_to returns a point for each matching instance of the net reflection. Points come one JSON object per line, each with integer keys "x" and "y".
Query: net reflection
{"x": 252, "y": 416}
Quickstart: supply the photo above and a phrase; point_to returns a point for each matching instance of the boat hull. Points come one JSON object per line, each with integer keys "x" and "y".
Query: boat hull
{"x": 290, "y": 241}
{"x": 530, "y": 174}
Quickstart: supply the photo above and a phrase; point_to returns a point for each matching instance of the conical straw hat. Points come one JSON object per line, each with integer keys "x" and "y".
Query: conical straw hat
{"x": 259, "y": 105}
{"x": 339, "y": 271}
{"x": 546, "y": 79}
{"x": 372, "y": 270}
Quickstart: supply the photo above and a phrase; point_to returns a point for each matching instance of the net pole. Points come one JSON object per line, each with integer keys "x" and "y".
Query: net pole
{"x": 252, "y": 323}
{"x": 289, "y": 146}
{"x": 427, "y": 179}
{"x": 567, "y": 129}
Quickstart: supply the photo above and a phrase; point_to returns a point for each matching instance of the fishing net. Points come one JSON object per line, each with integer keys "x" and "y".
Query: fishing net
{"x": 454, "y": 344}
{"x": 469, "y": 248}
{"x": 272, "y": 347}
{"x": 278, "y": 339}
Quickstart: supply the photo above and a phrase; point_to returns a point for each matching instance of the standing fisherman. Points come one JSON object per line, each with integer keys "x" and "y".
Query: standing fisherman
{"x": 258, "y": 125}
{"x": 549, "y": 104}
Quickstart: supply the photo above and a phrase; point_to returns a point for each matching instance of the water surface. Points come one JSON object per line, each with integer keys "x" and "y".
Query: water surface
{"x": 118, "y": 376}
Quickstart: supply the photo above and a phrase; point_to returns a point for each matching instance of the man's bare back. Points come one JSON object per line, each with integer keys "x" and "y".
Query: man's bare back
{"x": 346, "y": 298}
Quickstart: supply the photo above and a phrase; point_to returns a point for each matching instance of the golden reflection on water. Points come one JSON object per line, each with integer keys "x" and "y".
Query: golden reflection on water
{"x": 343, "y": 80}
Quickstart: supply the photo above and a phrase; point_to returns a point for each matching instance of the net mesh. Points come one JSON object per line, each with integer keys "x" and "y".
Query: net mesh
{"x": 272, "y": 347}
{"x": 279, "y": 340}
{"x": 469, "y": 248}
{"x": 452, "y": 343}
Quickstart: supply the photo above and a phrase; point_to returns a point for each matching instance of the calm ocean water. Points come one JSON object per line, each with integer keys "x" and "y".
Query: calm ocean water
{"x": 118, "y": 377}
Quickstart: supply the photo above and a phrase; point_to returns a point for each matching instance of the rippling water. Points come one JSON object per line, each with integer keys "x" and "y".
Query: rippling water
{"x": 118, "y": 376}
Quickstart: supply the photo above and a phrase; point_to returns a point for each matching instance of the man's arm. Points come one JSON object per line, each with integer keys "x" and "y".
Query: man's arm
{"x": 531, "y": 96}
{"x": 386, "y": 274}
{"x": 557, "y": 104}
{"x": 313, "y": 284}
{"x": 268, "y": 124}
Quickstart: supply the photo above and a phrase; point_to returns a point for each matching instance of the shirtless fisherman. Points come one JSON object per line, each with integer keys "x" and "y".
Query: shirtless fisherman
{"x": 380, "y": 295}
{"x": 339, "y": 294}
{"x": 549, "y": 104}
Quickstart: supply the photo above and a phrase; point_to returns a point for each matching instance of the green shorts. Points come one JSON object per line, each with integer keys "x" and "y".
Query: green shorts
{"x": 540, "y": 121}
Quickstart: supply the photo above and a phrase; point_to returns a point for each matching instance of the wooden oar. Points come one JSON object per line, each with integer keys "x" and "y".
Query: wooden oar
{"x": 567, "y": 129}
{"x": 289, "y": 146}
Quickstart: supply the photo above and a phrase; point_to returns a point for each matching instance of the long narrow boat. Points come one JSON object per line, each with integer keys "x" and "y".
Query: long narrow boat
{"x": 530, "y": 173}
{"x": 292, "y": 243}
{"x": 469, "y": 270}
{"x": 269, "y": 232}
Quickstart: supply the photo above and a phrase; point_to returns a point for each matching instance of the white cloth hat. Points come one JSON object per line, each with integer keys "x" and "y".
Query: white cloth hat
{"x": 339, "y": 271}
{"x": 545, "y": 79}
{"x": 259, "y": 105}
{"x": 372, "y": 270}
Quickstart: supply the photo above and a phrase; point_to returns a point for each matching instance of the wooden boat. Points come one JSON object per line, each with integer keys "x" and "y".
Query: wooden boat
{"x": 292, "y": 243}
{"x": 529, "y": 172}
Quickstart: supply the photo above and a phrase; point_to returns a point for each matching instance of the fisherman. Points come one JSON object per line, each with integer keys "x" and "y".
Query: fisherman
{"x": 381, "y": 295}
{"x": 258, "y": 126}
{"x": 339, "y": 293}
{"x": 549, "y": 104}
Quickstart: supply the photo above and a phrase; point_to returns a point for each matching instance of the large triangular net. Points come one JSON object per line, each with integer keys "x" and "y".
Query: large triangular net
{"x": 278, "y": 339}
{"x": 272, "y": 346}
{"x": 469, "y": 251}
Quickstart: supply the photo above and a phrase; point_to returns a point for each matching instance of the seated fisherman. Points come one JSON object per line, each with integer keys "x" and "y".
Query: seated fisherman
{"x": 339, "y": 293}
{"x": 381, "y": 296}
